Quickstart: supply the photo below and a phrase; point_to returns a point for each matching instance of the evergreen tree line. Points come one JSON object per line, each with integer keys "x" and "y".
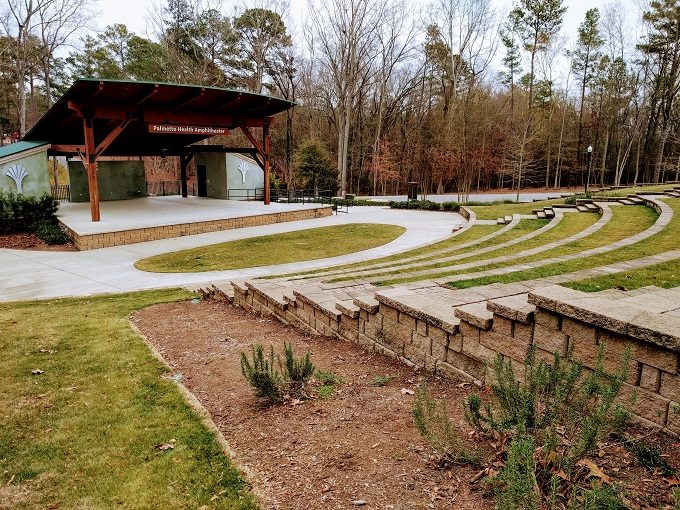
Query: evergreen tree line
{"x": 457, "y": 96}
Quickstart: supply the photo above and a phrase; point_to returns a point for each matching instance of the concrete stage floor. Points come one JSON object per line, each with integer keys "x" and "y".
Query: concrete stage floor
{"x": 138, "y": 213}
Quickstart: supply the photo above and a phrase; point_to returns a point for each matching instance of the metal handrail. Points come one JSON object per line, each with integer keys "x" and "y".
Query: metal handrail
{"x": 245, "y": 194}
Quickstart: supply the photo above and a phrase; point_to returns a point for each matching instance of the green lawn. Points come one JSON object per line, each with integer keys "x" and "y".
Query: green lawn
{"x": 83, "y": 434}
{"x": 622, "y": 192}
{"x": 472, "y": 234}
{"x": 572, "y": 223}
{"x": 666, "y": 275}
{"x": 665, "y": 240}
{"x": 297, "y": 246}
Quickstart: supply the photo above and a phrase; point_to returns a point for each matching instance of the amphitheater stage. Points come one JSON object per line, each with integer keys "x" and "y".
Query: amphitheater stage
{"x": 152, "y": 218}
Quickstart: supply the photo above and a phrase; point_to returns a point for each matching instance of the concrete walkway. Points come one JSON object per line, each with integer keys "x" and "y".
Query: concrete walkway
{"x": 38, "y": 274}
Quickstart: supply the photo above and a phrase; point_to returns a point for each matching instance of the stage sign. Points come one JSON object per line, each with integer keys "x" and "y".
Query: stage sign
{"x": 174, "y": 129}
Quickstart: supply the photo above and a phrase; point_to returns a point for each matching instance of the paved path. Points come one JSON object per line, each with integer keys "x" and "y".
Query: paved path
{"x": 38, "y": 274}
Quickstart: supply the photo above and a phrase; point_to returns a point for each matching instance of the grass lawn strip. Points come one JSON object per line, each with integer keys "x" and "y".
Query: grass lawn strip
{"x": 461, "y": 238}
{"x": 523, "y": 232}
{"x": 406, "y": 258}
{"x": 524, "y": 229}
{"x": 666, "y": 275}
{"x": 665, "y": 240}
{"x": 626, "y": 222}
{"x": 85, "y": 432}
{"x": 574, "y": 224}
{"x": 296, "y": 246}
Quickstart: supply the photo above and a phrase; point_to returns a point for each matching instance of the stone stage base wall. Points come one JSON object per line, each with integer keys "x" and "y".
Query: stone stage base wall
{"x": 108, "y": 239}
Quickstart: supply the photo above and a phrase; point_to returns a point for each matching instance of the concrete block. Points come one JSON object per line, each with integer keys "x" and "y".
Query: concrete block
{"x": 650, "y": 378}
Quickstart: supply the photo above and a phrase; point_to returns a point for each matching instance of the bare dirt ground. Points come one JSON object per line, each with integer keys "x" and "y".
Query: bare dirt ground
{"x": 29, "y": 241}
{"x": 357, "y": 445}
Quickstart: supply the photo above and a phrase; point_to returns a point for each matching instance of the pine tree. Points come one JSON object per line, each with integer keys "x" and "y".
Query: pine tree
{"x": 585, "y": 58}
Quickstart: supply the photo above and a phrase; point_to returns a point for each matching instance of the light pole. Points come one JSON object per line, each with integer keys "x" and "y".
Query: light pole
{"x": 590, "y": 165}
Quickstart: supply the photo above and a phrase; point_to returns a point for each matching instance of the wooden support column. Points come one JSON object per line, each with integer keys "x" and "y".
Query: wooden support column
{"x": 90, "y": 162}
{"x": 184, "y": 160}
{"x": 266, "y": 142}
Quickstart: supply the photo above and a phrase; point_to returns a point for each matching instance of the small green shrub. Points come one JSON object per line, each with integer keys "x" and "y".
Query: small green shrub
{"x": 272, "y": 385}
{"x": 382, "y": 380}
{"x": 426, "y": 205}
{"x": 450, "y": 206}
{"x": 517, "y": 485}
{"x": 601, "y": 497}
{"x": 50, "y": 233}
{"x": 261, "y": 373}
{"x": 432, "y": 420}
{"x": 296, "y": 371}
{"x": 571, "y": 199}
{"x": 21, "y": 213}
{"x": 564, "y": 413}
{"x": 650, "y": 457}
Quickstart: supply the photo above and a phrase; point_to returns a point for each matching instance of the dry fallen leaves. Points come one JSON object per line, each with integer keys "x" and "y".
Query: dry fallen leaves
{"x": 594, "y": 470}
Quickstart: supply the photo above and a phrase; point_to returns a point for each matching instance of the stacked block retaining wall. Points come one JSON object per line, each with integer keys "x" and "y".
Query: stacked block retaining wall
{"x": 466, "y": 347}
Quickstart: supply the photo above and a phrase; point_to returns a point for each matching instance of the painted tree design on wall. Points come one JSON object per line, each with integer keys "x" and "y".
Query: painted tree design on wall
{"x": 17, "y": 173}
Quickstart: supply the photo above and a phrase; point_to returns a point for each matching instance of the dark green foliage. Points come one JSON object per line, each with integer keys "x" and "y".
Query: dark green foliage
{"x": 571, "y": 200}
{"x": 650, "y": 457}
{"x": 296, "y": 371}
{"x": 50, "y": 233}
{"x": 261, "y": 373}
{"x": 597, "y": 498}
{"x": 425, "y": 205}
{"x": 272, "y": 385}
{"x": 432, "y": 420}
{"x": 314, "y": 164}
{"x": 534, "y": 404}
{"x": 562, "y": 410}
{"x": 517, "y": 482}
{"x": 21, "y": 213}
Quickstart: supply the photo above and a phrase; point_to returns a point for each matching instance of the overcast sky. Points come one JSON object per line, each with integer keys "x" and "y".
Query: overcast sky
{"x": 134, "y": 13}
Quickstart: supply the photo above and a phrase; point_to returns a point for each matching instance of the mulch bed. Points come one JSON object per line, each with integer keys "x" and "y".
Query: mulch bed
{"x": 358, "y": 444}
{"x": 29, "y": 241}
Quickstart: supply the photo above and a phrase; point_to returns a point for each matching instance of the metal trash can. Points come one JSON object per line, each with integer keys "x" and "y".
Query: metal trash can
{"x": 412, "y": 191}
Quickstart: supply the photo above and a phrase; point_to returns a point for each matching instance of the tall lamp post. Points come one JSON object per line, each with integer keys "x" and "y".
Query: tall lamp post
{"x": 590, "y": 166}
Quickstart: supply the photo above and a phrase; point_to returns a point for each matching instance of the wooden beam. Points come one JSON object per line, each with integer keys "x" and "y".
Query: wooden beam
{"x": 184, "y": 160}
{"x": 113, "y": 134}
{"x": 150, "y": 93}
{"x": 91, "y": 168}
{"x": 229, "y": 102}
{"x": 155, "y": 115}
{"x": 186, "y": 99}
{"x": 267, "y": 144}
{"x": 252, "y": 140}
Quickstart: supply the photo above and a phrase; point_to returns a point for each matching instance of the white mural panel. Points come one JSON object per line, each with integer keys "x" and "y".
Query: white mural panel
{"x": 17, "y": 173}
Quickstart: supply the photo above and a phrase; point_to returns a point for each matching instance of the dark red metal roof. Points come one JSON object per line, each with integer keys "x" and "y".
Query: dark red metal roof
{"x": 110, "y": 101}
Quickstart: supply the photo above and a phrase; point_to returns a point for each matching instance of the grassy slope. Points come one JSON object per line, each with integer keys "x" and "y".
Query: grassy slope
{"x": 523, "y": 227}
{"x": 310, "y": 244}
{"x": 665, "y": 240}
{"x": 665, "y": 275}
{"x": 471, "y": 234}
{"x": 83, "y": 434}
{"x": 570, "y": 225}
{"x": 622, "y": 192}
